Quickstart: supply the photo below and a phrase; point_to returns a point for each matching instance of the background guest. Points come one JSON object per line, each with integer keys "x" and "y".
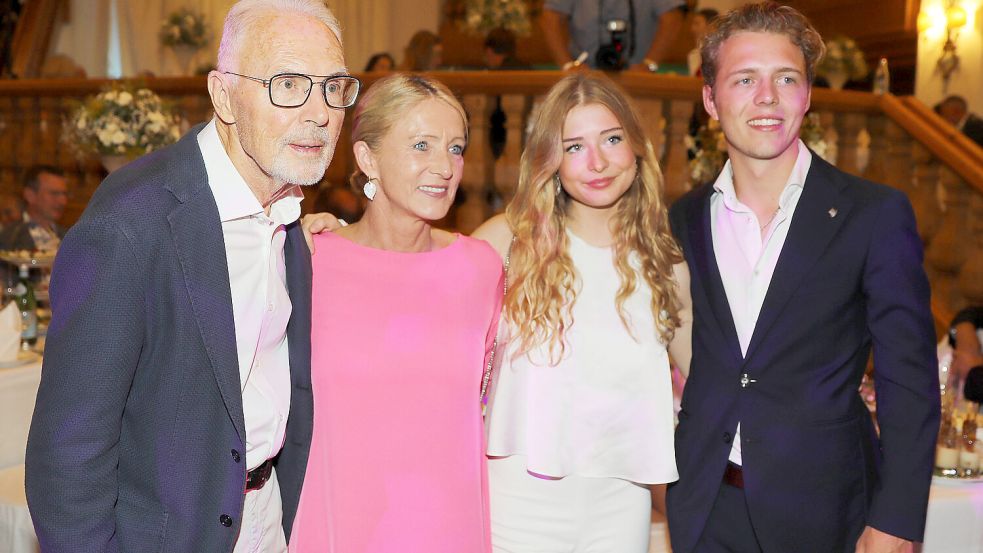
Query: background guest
{"x": 45, "y": 195}
{"x": 499, "y": 50}
{"x": 340, "y": 201}
{"x": 423, "y": 53}
{"x": 500, "y": 54}
{"x": 955, "y": 110}
{"x": 965, "y": 337}
{"x": 698, "y": 27}
{"x": 380, "y": 62}
{"x": 574, "y": 26}
{"x": 11, "y": 211}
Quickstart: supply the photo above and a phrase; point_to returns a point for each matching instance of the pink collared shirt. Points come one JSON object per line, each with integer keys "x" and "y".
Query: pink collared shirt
{"x": 260, "y": 304}
{"x": 746, "y": 257}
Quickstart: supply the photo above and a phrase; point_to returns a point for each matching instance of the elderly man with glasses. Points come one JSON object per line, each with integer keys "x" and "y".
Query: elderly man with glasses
{"x": 175, "y": 410}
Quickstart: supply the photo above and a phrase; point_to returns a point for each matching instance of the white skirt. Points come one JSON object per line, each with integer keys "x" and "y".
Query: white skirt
{"x": 574, "y": 514}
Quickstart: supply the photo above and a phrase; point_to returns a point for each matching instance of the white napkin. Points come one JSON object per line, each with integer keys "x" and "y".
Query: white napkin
{"x": 10, "y": 332}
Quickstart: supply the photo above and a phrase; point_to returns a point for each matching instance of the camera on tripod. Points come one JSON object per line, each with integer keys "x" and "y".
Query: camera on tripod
{"x": 611, "y": 56}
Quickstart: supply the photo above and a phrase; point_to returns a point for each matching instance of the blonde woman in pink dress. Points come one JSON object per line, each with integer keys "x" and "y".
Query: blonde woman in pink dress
{"x": 403, "y": 318}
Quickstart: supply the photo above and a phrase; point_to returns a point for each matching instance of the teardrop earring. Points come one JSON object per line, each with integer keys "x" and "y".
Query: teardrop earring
{"x": 370, "y": 188}
{"x": 559, "y": 185}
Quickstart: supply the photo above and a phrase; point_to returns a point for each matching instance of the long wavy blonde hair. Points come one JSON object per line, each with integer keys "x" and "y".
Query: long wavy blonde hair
{"x": 542, "y": 277}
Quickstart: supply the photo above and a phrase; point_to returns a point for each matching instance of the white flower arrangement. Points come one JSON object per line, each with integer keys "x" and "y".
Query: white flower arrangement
{"x": 708, "y": 148}
{"x": 843, "y": 57}
{"x": 481, "y": 16}
{"x": 121, "y": 121}
{"x": 184, "y": 27}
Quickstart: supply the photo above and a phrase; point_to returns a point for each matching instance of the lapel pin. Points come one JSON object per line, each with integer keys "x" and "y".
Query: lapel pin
{"x": 832, "y": 212}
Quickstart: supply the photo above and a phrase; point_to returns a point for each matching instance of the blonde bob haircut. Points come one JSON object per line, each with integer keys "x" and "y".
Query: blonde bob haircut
{"x": 543, "y": 280}
{"x": 386, "y": 102}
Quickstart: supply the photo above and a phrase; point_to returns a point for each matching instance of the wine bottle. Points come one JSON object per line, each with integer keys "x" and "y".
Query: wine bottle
{"x": 28, "y": 304}
{"x": 882, "y": 78}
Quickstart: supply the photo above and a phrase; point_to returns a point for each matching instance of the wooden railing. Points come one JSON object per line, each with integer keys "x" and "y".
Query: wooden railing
{"x": 887, "y": 139}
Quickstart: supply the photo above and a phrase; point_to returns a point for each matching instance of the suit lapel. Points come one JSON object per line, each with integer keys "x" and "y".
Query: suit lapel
{"x": 705, "y": 265}
{"x": 819, "y": 215}
{"x": 198, "y": 238}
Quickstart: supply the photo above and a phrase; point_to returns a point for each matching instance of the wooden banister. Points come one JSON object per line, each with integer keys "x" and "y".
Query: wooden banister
{"x": 939, "y": 143}
{"x": 32, "y": 36}
{"x": 910, "y": 148}
{"x": 951, "y": 133}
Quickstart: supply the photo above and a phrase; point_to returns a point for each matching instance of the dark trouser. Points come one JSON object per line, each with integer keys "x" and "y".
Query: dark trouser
{"x": 728, "y": 529}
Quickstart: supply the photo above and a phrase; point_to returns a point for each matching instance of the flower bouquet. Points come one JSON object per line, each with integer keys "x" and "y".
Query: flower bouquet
{"x": 481, "y": 16}
{"x": 843, "y": 62}
{"x": 121, "y": 121}
{"x": 707, "y": 149}
{"x": 184, "y": 32}
{"x": 184, "y": 27}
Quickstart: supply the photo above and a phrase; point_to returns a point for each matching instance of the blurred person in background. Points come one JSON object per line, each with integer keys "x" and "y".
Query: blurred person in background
{"x": 499, "y": 53}
{"x": 423, "y": 53}
{"x": 698, "y": 27}
{"x": 10, "y": 210}
{"x": 648, "y": 29}
{"x": 45, "y": 196}
{"x": 500, "y": 49}
{"x": 955, "y": 110}
{"x": 380, "y": 62}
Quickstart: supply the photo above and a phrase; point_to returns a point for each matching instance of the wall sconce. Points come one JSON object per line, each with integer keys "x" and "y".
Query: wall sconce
{"x": 955, "y": 18}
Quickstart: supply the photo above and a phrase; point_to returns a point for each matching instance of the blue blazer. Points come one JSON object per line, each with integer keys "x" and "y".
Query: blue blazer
{"x": 138, "y": 441}
{"x": 849, "y": 279}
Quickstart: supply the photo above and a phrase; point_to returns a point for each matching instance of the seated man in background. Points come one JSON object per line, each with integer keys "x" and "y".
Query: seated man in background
{"x": 45, "y": 196}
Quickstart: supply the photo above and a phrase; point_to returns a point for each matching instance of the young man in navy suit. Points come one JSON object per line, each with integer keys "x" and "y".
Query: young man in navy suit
{"x": 798, "y": 271}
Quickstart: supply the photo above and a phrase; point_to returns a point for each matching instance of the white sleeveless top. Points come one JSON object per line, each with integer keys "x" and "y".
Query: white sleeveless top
{"x": 606, "y": 409}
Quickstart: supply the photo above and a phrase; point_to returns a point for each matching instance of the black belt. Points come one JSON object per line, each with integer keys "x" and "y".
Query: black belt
{"x": 256, "y": 478}
{"x": 734, "y": 475}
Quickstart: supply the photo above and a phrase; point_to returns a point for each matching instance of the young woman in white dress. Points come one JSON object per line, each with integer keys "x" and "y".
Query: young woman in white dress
{"x": 580, "y": 422}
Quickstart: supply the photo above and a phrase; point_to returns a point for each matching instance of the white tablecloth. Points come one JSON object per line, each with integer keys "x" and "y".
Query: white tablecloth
{"x": 18, "y": 390}
{"x": 954, "y": 525}
{"x": 955, "y": 518}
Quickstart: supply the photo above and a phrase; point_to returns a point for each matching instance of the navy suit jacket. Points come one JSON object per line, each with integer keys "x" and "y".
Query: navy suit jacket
{"x": 849, "y": 279}
{"x": 138, "y": 432}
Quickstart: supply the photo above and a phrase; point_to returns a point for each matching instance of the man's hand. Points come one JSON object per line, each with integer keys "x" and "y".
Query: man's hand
{"x": 316, "y": 223}
{"x": 875, "y": 541}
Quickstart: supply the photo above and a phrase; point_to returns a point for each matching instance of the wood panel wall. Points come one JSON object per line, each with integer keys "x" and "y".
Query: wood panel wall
{"x": 882, "y": 28}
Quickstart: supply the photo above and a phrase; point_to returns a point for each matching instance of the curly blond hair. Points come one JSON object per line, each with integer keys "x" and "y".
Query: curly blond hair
{"x": 542, "y": 276}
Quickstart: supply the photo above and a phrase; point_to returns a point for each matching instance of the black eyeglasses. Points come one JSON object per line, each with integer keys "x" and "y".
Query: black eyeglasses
{"x": 291, "y": 90}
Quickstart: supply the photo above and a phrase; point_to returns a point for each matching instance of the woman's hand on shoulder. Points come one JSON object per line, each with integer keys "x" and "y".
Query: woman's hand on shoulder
{"x": 496, "y": 232}
{"x": 316, "y": 223}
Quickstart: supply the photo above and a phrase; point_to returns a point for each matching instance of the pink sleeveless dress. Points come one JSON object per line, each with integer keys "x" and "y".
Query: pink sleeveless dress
{"x": 399, "y": 343}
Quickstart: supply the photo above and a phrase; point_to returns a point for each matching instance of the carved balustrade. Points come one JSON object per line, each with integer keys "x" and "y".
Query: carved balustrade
{"x": 886, "y": 139}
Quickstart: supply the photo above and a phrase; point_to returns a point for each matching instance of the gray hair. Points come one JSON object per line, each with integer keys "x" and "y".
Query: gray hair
{"x": 245, "y": 14}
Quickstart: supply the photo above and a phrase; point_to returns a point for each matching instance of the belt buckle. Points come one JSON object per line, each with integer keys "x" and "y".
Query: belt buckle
{"x": 257, "y": 478}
